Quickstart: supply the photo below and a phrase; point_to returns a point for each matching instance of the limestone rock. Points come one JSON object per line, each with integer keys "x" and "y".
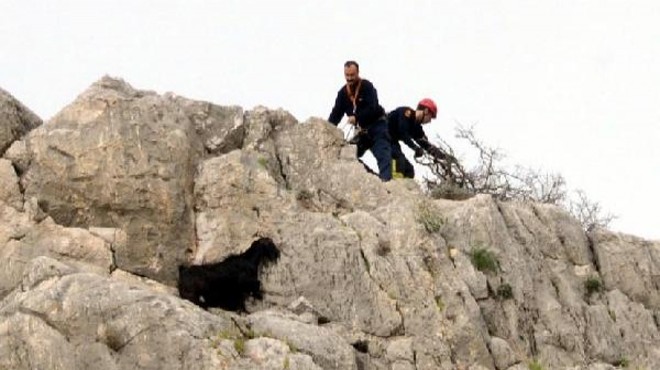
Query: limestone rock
{"x": 103, "y": 202}
{"x": 327, "y": 349}
{"x": 65, "y": 319}
{"x": 10, "y": 193}
{"x": 126, "y": 158}
{"x": 629, "y": 264}
{"x": 16, "y": 120}
{"x": 22, "y": 241}
{"x": 502, "y": 354}
{"x": 269, "y": 353}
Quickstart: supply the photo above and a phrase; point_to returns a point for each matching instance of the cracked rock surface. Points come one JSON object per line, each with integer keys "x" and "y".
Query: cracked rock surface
{"x": 100, "y": 204}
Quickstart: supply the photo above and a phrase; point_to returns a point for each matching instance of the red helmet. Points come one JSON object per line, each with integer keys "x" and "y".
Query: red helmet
{"x": 430, "y": 105}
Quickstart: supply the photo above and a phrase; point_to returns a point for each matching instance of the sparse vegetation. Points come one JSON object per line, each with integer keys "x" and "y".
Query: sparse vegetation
{"x": 439, "y": 303}
{"x": 622, "y": 362}
{"x": 306, "y": 199}
{"x": 593, "y": 285}
{"x": 484, "y": 260}
{"x": 535, "y": 365}
{"x": 263, "y": 162}
{"x": 448, "y": 190}
{"x": 304, "y": 195}
{"x": 430, "y": 218}
{"x": 504, "y": 291}
{"x": 384, "y": 248}
{"x": 239, "y": 339}
{"x": 223, "y": 335}
{"x": 489, "y": 176}
{"x": 612, "y": 314}
{"x": 588, "y": 213}
{"x": 239, "y": 346}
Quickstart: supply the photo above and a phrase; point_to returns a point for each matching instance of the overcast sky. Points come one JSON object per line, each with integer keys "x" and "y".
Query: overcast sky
{"x": 566, "y": 86}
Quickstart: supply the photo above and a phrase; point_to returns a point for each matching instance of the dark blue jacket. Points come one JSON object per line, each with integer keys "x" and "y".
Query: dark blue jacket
{"x": 403, "y": 127}
{"x": 367, "y": 110}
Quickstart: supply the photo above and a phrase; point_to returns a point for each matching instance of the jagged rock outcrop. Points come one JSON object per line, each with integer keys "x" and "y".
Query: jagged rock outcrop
{"x": 16, "y": 119}
{"x": 122, "y": 158}
{"x": 101, "y": 204}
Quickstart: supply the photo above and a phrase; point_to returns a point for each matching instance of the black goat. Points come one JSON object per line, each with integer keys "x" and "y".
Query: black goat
{"x": 228, "y": 283}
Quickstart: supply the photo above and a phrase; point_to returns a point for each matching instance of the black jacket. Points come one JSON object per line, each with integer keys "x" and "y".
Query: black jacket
{"x": 367, "y": 109}
{"x": 403, "y": 127}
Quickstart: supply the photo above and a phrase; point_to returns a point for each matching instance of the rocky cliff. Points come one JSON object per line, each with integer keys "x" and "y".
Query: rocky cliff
{"x": 99, "y": 205}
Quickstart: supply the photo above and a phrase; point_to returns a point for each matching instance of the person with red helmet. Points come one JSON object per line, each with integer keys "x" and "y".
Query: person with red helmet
{"x": 405, "y": 124}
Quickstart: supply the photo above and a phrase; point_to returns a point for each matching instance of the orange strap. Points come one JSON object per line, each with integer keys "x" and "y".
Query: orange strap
{"x": 354, "y": 94}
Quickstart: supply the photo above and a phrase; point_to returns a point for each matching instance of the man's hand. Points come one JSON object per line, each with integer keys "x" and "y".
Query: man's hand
{"x": 437, "y": 153}
{"x": 352, "y": 120}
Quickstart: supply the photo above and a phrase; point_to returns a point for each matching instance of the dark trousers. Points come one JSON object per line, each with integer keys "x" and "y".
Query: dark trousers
{"x": 401, "y": 165}
{"x": 377, "y": 139}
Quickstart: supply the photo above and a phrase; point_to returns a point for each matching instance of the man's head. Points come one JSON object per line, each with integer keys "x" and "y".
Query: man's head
{"x": 351, "y": 72}
{"x": 428, "y": 110}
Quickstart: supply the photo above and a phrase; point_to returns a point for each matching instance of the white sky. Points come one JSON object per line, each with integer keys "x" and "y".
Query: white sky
{"x": 568, "y": 86}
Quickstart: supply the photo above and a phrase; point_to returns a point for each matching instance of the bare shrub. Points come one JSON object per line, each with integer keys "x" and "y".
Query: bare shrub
{"x": 451, "y": 180}
{"x": 588, "y": 212}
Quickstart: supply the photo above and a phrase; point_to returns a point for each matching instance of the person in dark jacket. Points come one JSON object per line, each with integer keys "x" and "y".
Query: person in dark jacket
{"x": 405, "y": 124}
{"x": 358, "y": 100}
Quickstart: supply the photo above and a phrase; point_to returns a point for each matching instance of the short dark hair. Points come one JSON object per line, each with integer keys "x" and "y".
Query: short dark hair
{"x": 352, "y": 63}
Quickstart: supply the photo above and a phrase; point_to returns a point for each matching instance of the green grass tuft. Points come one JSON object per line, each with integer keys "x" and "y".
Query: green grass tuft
{"x": 505, "y": 291}
{"x": 430, "y": 218}
{"x": 440, "y": 303}
{"x": 622, "y": 362}
{"x": 593, "y": 285}
{"x": 239, "y": 346}
{"x": 484, "y": 260}
{"x": 535, "y": 365}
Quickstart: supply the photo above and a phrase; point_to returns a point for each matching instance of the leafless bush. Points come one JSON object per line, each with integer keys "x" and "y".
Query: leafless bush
{"x": 451, "y": 180}
{"x": 489, "y": 176}
{"x": 588, "y": 212}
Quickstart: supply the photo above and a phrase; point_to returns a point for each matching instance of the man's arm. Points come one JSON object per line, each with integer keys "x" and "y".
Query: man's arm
{"x": 405, "y": 137}
{"x": 337, "y": 110}
{"x": 433, "y": 150}
{"x": 410, "y": 138}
